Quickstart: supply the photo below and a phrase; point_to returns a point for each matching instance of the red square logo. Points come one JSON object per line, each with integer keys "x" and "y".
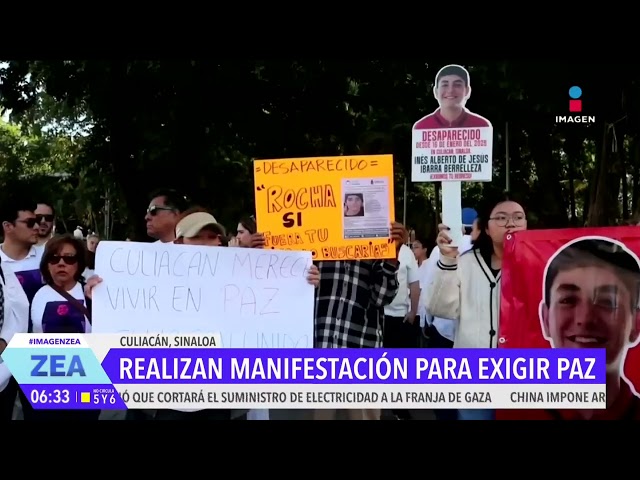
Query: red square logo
{"x": 575, "y": 105}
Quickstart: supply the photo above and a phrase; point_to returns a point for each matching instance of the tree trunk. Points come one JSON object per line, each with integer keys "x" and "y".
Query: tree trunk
{"x": 573, "y": 149}
{"x": 604, "y": 207}
{"x": 635, "y": 191}
{"x": 551, "y": 199}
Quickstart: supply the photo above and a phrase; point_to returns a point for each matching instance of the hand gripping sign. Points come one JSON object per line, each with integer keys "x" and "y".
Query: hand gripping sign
{"x": 452, "y": 145}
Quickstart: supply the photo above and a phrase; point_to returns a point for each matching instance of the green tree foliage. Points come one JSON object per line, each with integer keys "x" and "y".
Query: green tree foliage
{"x": 197, "y": 125}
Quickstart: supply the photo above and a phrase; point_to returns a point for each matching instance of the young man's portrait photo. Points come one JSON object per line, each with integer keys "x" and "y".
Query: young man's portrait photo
{"x": 591, "y": 290}
{"x": 452, "y": 89}
{"x": 354, "y": 205}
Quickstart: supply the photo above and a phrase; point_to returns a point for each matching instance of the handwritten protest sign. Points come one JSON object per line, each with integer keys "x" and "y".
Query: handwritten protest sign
{"x": 338, "y": 208}
{"x": 253, "y": 298}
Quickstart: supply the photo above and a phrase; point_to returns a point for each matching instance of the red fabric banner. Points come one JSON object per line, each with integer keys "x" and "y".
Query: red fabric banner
{"x": 576, "y": 288}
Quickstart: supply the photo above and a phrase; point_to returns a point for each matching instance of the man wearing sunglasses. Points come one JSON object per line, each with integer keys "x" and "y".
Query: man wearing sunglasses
{"x": 163, "y": 214}
{"x": 46, "y": 216}
{"x": 19, "y": 255}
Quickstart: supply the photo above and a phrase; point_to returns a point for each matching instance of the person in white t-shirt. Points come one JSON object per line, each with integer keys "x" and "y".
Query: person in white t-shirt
{"x": 60, "y": 305}
{"x": 420, "y": 250}
{"x": 20, "y": 255}
{"x": 14, "y": 315}
{"x": 401, "y": 328}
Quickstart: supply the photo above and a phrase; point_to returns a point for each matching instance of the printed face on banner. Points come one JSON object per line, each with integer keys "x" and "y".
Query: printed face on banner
{"x": 589, "y": 299}
{"x": 452, "y": 143}
{"x": 338, "y": 208}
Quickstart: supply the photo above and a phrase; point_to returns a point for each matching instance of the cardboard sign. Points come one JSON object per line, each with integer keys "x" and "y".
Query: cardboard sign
{"x": 339, "y": 208}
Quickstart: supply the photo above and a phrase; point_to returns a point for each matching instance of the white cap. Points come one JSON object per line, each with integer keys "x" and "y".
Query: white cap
{"x": 190, "y": 225}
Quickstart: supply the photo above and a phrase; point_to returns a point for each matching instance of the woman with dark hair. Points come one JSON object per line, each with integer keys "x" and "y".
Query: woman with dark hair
{"x": 466, "y": 287}
{"x": 60, "y": 305}
{"x": 246, "y": 229}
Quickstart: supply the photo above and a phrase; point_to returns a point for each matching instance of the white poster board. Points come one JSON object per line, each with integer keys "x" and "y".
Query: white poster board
{"x": 253, "y": 298}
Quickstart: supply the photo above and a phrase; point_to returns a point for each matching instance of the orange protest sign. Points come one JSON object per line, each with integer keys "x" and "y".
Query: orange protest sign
{"x": 339, "y": 208}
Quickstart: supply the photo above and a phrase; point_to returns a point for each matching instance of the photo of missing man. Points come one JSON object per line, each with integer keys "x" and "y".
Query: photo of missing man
{"x": 452, "y": 89}
{"x": 354, "y": 205}
{"x": 591, "y": 290}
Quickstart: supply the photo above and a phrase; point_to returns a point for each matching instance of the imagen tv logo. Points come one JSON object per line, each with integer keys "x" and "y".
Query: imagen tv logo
{"x": 575, "y": 106}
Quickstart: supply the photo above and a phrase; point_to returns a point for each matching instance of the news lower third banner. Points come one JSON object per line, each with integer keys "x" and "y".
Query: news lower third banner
{"x": 97, "y": 371}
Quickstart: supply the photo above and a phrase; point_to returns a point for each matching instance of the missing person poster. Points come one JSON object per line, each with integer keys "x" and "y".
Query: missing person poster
{"x": 338, "y": 208}
{"x": 576, "y": 288}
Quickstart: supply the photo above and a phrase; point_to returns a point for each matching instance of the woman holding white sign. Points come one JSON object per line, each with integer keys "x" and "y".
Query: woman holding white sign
{"x": 466, "y": 287}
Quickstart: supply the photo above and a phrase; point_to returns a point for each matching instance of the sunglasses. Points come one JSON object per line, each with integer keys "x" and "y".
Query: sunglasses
{"x": 30, "y": 222}
{"x": 44, "y": 218}
{"x": 68, "y": 259}
{"x": 154, "y": 209}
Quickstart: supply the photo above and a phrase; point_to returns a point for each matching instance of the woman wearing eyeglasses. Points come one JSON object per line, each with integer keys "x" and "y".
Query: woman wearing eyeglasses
{"x": 60, "y": 305}
{"x": 466, "y": 287}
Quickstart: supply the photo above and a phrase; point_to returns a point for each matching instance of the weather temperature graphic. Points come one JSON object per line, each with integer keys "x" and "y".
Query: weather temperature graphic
{"x": 575, "y": 104}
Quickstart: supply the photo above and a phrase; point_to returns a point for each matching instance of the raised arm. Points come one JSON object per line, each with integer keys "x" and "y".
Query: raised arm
{"x": 384, "y": 282}
{"x": 384, "y": 273}
{"x": 442, "y": 294}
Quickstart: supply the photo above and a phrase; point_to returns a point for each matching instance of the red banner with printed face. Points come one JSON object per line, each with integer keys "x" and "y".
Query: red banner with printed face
{"x": 576, "y": 288}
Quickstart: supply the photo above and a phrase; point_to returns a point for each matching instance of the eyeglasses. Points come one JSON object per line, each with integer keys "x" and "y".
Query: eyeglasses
{"x": 29, "y": 222}
{"x": 44, "y": 218}
{"x": 502, "y": 220}
{"x": 67, "y": 259}
{"x": 154, "y": 209}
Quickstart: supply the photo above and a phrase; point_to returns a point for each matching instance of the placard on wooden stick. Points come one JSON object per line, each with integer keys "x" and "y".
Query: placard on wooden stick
{"x": 452, "y": 145}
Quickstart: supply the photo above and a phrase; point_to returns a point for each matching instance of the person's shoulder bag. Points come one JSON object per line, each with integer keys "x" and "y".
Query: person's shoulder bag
{"x": 73, "y": 301}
